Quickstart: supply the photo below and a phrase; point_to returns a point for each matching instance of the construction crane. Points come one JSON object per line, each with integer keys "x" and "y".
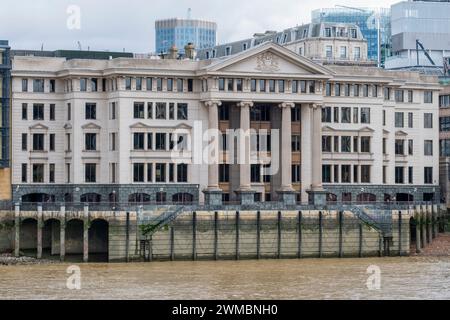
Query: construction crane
{"x": 377, "y": 15}
{"x": 422, "y": 48}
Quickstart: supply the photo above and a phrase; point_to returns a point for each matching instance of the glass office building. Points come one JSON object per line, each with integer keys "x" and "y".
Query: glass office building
{"x": 5, "y": 88}
{"x": 366, "y": 19}
{"x": 180, "y": 32}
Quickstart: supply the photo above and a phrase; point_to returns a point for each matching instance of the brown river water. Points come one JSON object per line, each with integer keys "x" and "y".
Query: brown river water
{"x": 401, "y": 278}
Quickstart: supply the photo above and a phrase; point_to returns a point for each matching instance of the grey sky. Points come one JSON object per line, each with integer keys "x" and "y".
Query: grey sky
{"x": 129, "y": 24}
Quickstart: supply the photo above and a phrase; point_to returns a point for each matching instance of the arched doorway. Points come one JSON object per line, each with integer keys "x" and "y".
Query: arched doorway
{"x": 366, "y": 197}
{"x": 139, "y": 198}
{"x": 182, "y": 198}
{"x": 99, "y": 241}
{"x": 38, "y": 198}
{"x": 28, "y": 237}
{"x": 404, "y": 197}
{"x": 90, "y": 198}
{"x": 74, "y": 240}
{"x": 51, "y": 235}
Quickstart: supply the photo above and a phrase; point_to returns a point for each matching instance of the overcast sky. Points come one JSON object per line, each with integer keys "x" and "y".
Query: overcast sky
{"x": 117, "y": 24}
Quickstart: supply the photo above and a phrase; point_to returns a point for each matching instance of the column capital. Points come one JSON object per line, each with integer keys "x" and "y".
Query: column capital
{"x": 287, "y": 104}
{"x": 315, "y": 106}
{"x": 211, "y": 103}
{"x": 244, "y": 104}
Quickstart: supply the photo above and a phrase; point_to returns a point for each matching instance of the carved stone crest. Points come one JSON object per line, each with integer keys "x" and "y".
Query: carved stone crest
{"x": 267, "y": 62}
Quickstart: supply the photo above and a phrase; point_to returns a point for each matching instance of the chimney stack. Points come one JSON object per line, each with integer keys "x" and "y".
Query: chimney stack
{"x": 189, "y": 51}
{"x": 173, "y": 52}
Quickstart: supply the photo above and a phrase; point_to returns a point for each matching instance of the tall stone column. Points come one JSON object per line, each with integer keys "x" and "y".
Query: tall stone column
{"x": 213, "y": 194}
{"x": 317, "y": 195}
{"x": 17, "y": 230}
{"x": 86, "y": 234}
{"x": 244, "y": 154}
{"x": 286, "y": 192}
{"x": 40, "y": 224}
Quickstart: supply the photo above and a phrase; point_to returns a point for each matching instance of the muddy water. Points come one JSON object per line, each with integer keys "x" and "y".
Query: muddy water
{"x": 401, "y": 278}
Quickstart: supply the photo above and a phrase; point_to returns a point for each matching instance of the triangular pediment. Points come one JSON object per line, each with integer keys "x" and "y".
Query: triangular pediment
{"x": 68, "y": 126}
{"x": 183, "y": 126}
{"x": 38, "y": 126}
{"x": 330, "y": 129}
{"x": 366, "y": 129}
{"x": 91, "y": 126}
{"x": 401, "y": 133}
{"x": 269, "y": 58}
{"x": 139, "y": 125}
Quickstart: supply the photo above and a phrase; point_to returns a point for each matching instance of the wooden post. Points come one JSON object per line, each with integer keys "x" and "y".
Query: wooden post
{"x": 237, "y": 235}
{"x": 216, "y": 235}
{"x": 194, "y": 236}
{"x": 341, "y": 222}
{"x": 150, "y": 249}
{"x": 418, "y": 235}
{"x": 258, "y": 235}
{"x": 127, "y": 237}
{"x": 422, "y": 229}
{"x": 86, "y": 235}
{"x": 172, "y": 243}
{"x": 299, "y": 232}
{"x": 17, "y": 230}
{"x": 320, "y": 233}
{"x": 400, "y": 233}
{"x": 429, "y": 227}
{"x": 279, "y": 235}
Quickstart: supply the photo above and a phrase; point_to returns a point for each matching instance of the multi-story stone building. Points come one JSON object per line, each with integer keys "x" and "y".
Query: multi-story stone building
{"x": 444, "y": 140}
{"x": 328, "y": 43}
{"x": 90, "y": 131}
{"x": 5, "y": 88}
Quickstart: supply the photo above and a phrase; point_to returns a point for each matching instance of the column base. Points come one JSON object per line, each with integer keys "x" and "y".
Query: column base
{"x": 317, "y": 197}
{"x": 288, "y": 197}
{"x": 213, "y": 197}
{"x": 246, "y": 197}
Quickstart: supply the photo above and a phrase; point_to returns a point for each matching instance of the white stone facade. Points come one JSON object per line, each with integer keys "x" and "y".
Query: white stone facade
{"x": 201, "y": 91}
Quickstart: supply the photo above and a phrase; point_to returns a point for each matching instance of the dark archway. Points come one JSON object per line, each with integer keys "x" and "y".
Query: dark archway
{"x": 366, "y": 197}
{"x": 38, "y": 198}
{"x": 74, "y": 240}
{"x": 99, "y": 241}
{"x": 7, "y": 236}
{"x": 51, "y": 235}
{"x": 161, "y": 197}
{"x": 331, "y": 197}
{"x": 182, "y": 198}
{"x": 387, "y": 197}
{"x": 90, "y": 198}
{"x": 28, "y": 237}
{"x": 68, "y": 197}
{"x": 139, "y": 198}
{"x": 404, "y": 197}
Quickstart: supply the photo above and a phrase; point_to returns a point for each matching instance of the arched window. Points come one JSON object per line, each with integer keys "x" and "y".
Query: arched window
{"x": 139, "y": 198}
{"x": 91, "y": 198}
{"x": 366, "y": 197}
{"x": 182, "y": 198}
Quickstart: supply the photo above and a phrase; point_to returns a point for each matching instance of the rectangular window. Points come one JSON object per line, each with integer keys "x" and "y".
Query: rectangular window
{"x": 90, "y": 172}
{"x": 91, "y": 111}
{"x": 169, "y": 84}
{"x": 83, "y": 84}
{"x": 51, "y": 173}
{"x": 160, "y": 172}
{"x": 113, "y": 172}
{"x": 281, "y": 86}
{"x": 38, "y": 112}
{"x": 112, "y": 113}
{"x": 149, "y": 172}
{"x": 68, "y": 149}
{"x": 336, "y": 144}
{"x": 224, "y": 173}
{"x": 149, "y": 84}
{"x": 410, "y": 175}
{"x": 52, "y": 112}
{"x": 160, "y": 141}
{"x": 336, "y": 114}
{"x": 139, "y": 112}
{"x": 384, "y": 145}
{"x": 24, "y": 142}
{"x": 399, "y": 175}
{"x": 365, "y": 174}
{"x": 296, "y": 143}
{"x": 355, "y": 115}
{"x": 428, "y": 120}
{"x": 375, "y": 91}
{"x": 159, "y": 84}
{"x": 365, "y": 144}
{"x": 180, "y": 85}
{"x": 346, "y": 115}
{"x": 294, "y": 88}
{"x": 410, "y": 147}
{"x": 271, "y": 85}
{"x": 399, "y": 121}
{"x": 91, "y": 142}
{"x": 384, "y": 174}
{"x": 326, "y": 143}
{"x": 160, "y": 111}
{"x": 345, "y": 173}
{"x": 38, "y": 142}
{"x": 296, "y": 173}
{"x": 410, "y": 120}
{"x": 355, "y": 174}
{"x": 38, "y": 85}
{"x": 399, "y": 96}
{"x": 69, "y": 112}
{"x": 326, "y": 173}
{"x": 150, "y": 141}
{"x": 343, "y": 52}
{"x": 24, "y": 85}
{"x": 239, "y": 85}
{"x": 128, "y": 83}
{"x": 224, "y": 113}
{"x": 182, "y": 172}
{"x": 52, "y": 85}
{"x": 38, "y": 173}
{"x": 230, "y": 84}
{"x": 139, "y": 83}
{"x": 24, "y": 111}
{"x": 190, "y": 85}
{"x": 428, "y": 96}
{"x": 356, "y": 90}
{"x": 366, "y": 90}
{"x": 328, "y": 89}
{"x": 150, "y": 110}
{"x": 52, "y": 142}
{"x": 326, "y": 114}
{"x": 410, "y": 96}
{"x": 365, "y": 115}
{"x": 355, "y": 144}
{"x": 24, "y": 173}
{"x": 138, "y": 141}
{"x": 67, "y": 172}
{"x": 171, "y": 111}
{"x": 345, "y": 144}
{"x": 337, "y": 89}
{"x": 387, "y": 93}
{"x": 112, "y": 141}
{"x": 138, "y": 172}
{"x": 94, "y": 85}
{"x": 347, "y": 90}
{"x": 296, "y": 114}
{"x": 399, "y": 147}
{"x": 329, "y": 52}
{"x": 221, "y": 84}
{"x": 255, "y": 173}
{"x": 428, "y": 146}
{"x": 428, "y": 175}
